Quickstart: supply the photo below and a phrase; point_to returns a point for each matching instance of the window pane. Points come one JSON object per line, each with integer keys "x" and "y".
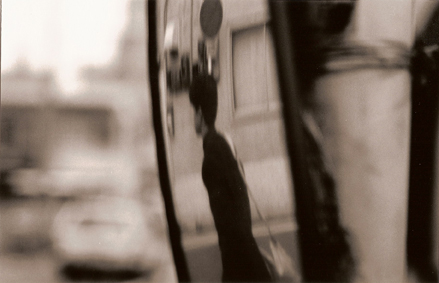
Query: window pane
{"x": 249, "y": 67}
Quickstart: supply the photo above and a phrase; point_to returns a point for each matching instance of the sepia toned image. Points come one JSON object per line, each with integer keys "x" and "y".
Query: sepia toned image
{"x": 219, "y": 141}
{"x": 81, "y": 197}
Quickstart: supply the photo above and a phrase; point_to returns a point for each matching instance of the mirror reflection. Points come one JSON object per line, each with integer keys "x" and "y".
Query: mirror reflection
{"x": 225, "y": 134}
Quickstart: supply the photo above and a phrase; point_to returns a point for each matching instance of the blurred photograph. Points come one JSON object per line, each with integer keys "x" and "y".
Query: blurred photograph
{"x": 80, "y": 195}
{"x": 219, "y": 141}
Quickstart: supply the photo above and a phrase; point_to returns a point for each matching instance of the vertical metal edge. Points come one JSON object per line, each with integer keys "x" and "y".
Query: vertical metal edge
{"x": 164, "y": 176}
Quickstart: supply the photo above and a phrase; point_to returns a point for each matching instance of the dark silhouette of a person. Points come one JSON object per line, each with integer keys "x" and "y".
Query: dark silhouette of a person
{"x": 229, "y": 201}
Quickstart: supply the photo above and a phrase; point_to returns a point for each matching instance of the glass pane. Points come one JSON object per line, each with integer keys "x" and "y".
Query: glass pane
{"x": 80, "y": 197}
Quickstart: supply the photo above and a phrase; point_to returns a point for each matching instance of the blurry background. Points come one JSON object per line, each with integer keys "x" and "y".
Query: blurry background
{"x": 79, "y": 185}
{"x": 79, "y": 195}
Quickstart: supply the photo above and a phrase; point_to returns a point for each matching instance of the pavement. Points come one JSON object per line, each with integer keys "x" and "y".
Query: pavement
{"x": 203, "y": 254}
{"x": 260, "y": 230}
{"x": 22, "y": 268}
{"x": 42, "y": 267}
{"x": 26, "y": 254}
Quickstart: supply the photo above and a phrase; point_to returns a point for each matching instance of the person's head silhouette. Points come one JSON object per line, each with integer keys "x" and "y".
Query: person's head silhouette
{"x": 203, "y": 95}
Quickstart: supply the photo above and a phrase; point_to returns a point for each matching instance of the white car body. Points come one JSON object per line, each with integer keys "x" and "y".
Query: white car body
{"x": 105, "y": 232}
{"x": 96, "y": 163}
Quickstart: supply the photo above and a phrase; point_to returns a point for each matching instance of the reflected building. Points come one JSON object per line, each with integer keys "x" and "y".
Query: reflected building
{"x": 33, "y": 108}
{"x": 26, "y": 95}
{"x": 125, "y": 81}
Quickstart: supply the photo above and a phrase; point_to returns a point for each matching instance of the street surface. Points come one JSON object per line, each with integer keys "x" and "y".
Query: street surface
{"x": 204, "y": 257}
{"x": 26, "y": 255}
{"x": 25, "y": 245}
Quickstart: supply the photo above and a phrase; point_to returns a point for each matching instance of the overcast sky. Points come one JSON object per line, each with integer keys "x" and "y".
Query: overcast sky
{"x": 62, "y": 35}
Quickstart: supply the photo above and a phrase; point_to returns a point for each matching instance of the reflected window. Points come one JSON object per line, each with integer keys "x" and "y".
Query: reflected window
{"x": 15, "y": 130}
{"x": 7, "y": 132}
{"x": 85, "y": 127}
{"x": 254, "y": 71}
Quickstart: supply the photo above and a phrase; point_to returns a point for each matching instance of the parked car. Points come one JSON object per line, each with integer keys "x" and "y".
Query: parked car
{"x": 106, "y": 233}
{"x": 96, "y": 164}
